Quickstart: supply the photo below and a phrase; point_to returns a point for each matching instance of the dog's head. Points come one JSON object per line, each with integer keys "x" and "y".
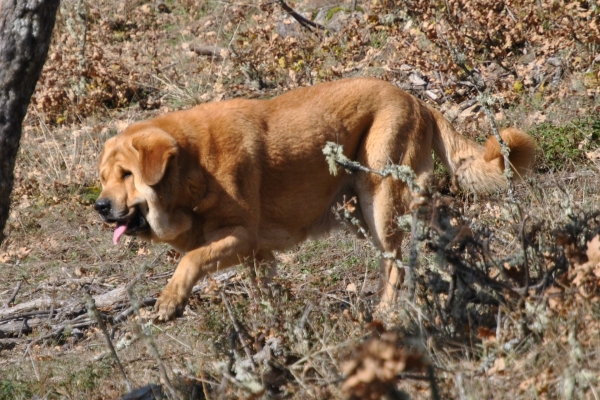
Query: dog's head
{"x": 132, "y": 166}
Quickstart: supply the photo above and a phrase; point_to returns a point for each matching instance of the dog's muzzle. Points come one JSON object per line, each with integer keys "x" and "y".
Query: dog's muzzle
{"x": 128, "y": 224}
{"x": 103, "y": 207}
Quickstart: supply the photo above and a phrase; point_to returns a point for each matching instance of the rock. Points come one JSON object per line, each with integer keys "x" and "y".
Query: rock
{"x": 432, "y": 95}
{"x": 578, "y": 86}
{"x": 336, "y": 18}
{"x": 288, "y": 27}
{"x": 527, "y": 58}
{"x": 148, "y": 392}
{"x": 388, "y": 19}
{"x": 555, "y": 61}
{"x": 338, "y": 21}
{"x": 416, "y": 80}
{"x": 471, "y": 113}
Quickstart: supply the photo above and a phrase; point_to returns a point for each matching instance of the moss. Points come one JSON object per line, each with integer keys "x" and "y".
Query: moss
{"x": 333, "y": 11}
{"x": 90, "y": 194}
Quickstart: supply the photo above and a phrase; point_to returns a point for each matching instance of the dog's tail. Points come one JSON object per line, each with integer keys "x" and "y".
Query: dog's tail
{"x": 481, "y": 168}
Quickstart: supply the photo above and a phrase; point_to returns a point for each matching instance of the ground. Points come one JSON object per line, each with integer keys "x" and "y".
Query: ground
{"x": 503, "y": 299}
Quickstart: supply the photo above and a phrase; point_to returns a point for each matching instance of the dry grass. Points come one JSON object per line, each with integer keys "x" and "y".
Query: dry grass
{"x": 316, "y": 324}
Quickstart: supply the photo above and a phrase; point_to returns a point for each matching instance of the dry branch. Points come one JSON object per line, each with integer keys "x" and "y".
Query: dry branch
{"x": 26, "y": 317}
{"x": 308, "y": 24}
{"x": 94, "y": 313}
{"x": 7, "y": 344}
{"x": 14, "y": 295}
{"x": 486, "y": 101}
{"x": 208, "y": 50}
{"x": 238, "y": 330}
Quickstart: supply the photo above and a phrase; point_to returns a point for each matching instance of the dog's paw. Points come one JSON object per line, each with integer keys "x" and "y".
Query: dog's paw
{"x": 169, "y": 306}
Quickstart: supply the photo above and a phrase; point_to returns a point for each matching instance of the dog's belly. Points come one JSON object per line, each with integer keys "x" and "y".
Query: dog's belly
{"x": 288, "y": 221}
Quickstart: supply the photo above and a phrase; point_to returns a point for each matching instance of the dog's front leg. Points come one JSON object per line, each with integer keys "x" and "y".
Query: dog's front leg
{"x": 228, "y": 247}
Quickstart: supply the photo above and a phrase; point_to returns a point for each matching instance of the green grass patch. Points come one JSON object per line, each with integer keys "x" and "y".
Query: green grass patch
{"x": 14, "y": 389}
{"x": 90, "y": 194}
{"x": 564, "y": 146}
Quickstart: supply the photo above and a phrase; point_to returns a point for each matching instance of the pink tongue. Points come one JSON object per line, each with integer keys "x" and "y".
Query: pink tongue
{"x": 119, "y": 231}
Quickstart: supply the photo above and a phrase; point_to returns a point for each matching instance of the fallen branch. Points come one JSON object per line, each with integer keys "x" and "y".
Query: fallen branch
{"x": 308, "y": 24}
{"x": 26, "y": 317}
{"x": 7, "y": 344}
{"x": 94, "y": 313}
{"x": 13, "y": 296}
{"x": 238, "y": 330}
{"x": 208, "y": 50}
{"x": 486, "y": 102}
{"x": 57, "y": 332}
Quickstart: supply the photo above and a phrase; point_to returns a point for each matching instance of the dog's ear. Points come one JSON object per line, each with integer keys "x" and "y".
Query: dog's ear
{"x": 107, "y": 147}
{"x": 155, "y": 149}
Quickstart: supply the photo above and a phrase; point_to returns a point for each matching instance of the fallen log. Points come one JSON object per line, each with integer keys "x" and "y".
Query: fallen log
{"x": 209, "y": 50}
{"x": 48, "y": 311}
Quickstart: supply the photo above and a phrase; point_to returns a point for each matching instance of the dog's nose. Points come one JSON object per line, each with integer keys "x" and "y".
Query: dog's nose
{"x": 103, "y": 206}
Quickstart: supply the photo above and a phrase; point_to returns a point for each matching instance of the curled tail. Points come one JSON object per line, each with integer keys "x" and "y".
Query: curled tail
{"x": 481, "y": 168}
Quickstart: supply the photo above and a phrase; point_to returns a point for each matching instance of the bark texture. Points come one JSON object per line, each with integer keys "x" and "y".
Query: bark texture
{"x": 25, "y": 34}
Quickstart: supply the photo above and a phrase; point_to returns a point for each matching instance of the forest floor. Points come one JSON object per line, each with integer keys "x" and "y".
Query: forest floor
{"x": 509, "y": 309}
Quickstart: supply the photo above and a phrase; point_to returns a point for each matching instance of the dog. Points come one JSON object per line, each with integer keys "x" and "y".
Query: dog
{"x": 239, "y": 179}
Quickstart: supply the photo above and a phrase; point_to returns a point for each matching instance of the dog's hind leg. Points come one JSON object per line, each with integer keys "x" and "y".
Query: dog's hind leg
{"x": 379, "y": 210}
{"x": 382, "y": 200}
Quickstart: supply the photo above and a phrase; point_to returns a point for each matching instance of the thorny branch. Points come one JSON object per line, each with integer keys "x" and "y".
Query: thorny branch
{"x": 467, "y": 273}
{"x": 334, "y": 154}
{"x": 487, "y": 101}
{"x": 95, "y": 314}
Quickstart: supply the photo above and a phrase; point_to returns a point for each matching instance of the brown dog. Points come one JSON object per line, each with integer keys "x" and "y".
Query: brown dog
{"x": 236, "y": 180}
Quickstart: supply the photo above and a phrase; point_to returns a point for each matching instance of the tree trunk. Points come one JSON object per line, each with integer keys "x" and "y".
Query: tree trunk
{"x": 25, "y": 33}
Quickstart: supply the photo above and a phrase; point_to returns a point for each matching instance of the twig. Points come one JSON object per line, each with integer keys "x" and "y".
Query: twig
{"x": 147, "y": 302}
{"x": 413, "y": 256}
{"x": 54, "y": 333}
{"x": 13, "y": 296}
{"x": 510, "y": 13}
{"x": 435, "y": 393}
{"x": 238, "y": 330}
{"x": 451, "y": 289}
{"x": 23, "y": 325}
{"x": 486, "y": 102}
{"x": 140, "y": 331}
{"x": 204, "y": 388}
{"x": 334, "y": 154}
{"x": 121, "y": 344}
{"x": 25, "y": 315}
{"x": 524, "y": 246}
{"x": 95, "y": 314}
{"x": 303, "y": 21}
{"x": 307, "y": 310}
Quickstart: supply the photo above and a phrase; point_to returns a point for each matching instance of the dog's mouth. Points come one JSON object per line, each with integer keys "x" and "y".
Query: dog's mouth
{"x": 130, "y": 225}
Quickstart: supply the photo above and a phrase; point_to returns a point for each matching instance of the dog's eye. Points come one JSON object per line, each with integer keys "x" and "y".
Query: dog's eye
{"x": 126, "y": 174}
